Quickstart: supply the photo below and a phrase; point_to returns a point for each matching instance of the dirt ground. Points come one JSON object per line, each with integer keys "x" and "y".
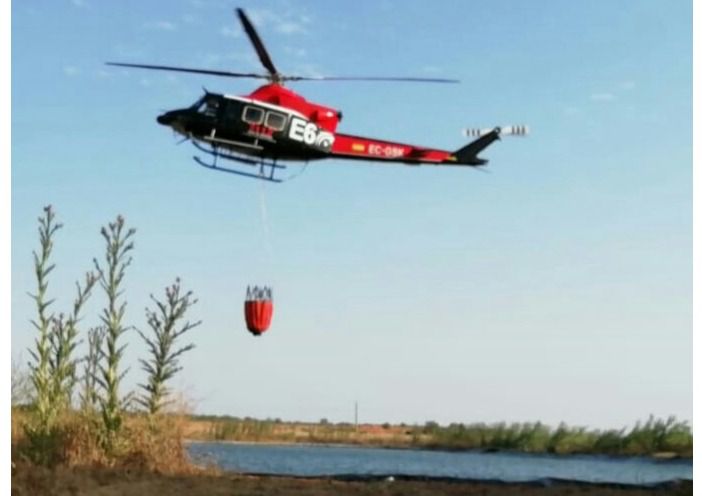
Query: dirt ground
{"x": 77, "y": 482}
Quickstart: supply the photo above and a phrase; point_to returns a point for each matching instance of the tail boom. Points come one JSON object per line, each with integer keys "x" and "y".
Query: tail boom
{"x": 357, "y": 147}
{"x": 360, "y": 148}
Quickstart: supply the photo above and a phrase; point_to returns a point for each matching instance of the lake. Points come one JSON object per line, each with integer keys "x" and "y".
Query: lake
{"x": 320, "y": 460}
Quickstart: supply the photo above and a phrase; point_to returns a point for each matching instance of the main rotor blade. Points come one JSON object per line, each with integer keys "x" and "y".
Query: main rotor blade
{"x": 258, "y": 44}
{"x": 370, "y": 78}
{"x": 195, "y": 71}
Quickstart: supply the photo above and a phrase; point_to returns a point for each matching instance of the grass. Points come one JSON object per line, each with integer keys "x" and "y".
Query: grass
{"x": 145, "y": 442}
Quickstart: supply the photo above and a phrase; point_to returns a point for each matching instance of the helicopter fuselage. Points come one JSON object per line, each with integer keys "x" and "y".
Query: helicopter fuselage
{"x": 275, "y": 123}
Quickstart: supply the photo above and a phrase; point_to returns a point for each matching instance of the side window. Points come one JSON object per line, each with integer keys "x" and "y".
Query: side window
{"x": 253, "y": 115}
{"x": 275, "y": 121}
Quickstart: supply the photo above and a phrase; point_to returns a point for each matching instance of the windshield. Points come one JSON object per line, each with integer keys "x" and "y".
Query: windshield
{"x": 207, "y": 105}
{"x": 199, "y": 102}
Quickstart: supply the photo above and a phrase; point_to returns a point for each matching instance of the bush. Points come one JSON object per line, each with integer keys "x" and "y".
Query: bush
{"x": 52, "y": 432}
{"x": 143, "y": 444}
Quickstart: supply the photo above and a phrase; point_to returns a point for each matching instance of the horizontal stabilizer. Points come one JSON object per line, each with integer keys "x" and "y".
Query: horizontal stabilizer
{"x": 501, "y": 130}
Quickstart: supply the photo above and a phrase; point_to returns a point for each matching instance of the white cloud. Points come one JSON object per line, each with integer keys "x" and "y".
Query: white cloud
{"x": 431, "y": 69}
{"x": 240, "y": 61}
{"x": 290, "y": 27}
{"x": 287, "y": 23}
{"x": 627, "y": 85}
{"x": 602, "y": 97}
{"x": 70, "y": 70}
{"x": 230, "y": 32}
{"x": 161, "y": 26}
{"x": 614, "y": 93}
{"x": 259, "y": 17}
{"x": 296, "y": 52}
{"x": 307, "y": 70}
{"x": 128, "y": 51}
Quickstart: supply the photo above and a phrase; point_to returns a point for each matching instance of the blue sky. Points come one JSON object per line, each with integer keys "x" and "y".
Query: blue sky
{"x": 556, "y": 287}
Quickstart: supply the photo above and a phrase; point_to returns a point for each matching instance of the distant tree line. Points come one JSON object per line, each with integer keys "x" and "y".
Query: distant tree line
{"x": 655, "y": 436}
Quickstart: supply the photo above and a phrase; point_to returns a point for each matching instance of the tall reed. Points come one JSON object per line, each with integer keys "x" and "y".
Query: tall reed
{"x": 40, "y": 365}
{"x": 88, "y": 396}
{"x": 118, "y": 245}
{"x": 166, "y": 323}
{"x": 64, "y": 339}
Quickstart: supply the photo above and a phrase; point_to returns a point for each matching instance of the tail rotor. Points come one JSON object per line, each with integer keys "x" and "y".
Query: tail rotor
{"x": 501, "y": 131}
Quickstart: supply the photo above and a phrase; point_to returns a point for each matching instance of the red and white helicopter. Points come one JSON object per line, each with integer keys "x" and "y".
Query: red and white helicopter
{"x": 275, "y": 124}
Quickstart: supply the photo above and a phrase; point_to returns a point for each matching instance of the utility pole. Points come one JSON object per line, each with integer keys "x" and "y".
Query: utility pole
{"x": 355, "y": 415}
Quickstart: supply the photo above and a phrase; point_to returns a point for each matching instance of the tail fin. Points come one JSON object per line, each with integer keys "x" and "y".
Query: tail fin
{"x": 469, "y": 154}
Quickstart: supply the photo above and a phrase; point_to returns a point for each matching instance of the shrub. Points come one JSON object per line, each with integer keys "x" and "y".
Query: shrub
{"x": 48, "y": 431}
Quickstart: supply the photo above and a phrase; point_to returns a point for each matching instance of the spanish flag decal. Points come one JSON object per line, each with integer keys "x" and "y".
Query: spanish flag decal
{"x": 358, "y": 147}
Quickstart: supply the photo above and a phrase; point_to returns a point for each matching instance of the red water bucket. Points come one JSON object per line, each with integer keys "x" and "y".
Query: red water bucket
{"x": 258, "y": 309}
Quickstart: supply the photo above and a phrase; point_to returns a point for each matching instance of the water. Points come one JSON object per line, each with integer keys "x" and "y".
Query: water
{"x": 307, "y": 460}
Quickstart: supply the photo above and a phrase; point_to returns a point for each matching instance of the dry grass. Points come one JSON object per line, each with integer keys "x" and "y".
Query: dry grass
{"x": 250, "y": 430}
{"x": 18, "y": 417}
{"x": 156, "y": 446}
{"x": 144, "y": 444}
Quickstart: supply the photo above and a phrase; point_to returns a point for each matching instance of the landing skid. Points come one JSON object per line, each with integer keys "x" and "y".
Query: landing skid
{"x": 266, "y": 168}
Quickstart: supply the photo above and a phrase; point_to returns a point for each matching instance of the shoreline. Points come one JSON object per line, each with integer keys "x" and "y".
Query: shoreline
{"x": 658, "y": 457}
{"x": 389, "y": 478}
{"x": 30, "y": 481}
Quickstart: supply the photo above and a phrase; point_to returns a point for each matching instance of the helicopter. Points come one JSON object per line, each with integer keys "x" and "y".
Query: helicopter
{"x": 274, "y": 124}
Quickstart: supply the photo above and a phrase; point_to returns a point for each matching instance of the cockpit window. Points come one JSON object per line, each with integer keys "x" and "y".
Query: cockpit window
{"x": 198, "y": 103}
{"x": 211, "y": 107}
{"x": 253, "y": 115}
{"x": 207, "y": 105}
